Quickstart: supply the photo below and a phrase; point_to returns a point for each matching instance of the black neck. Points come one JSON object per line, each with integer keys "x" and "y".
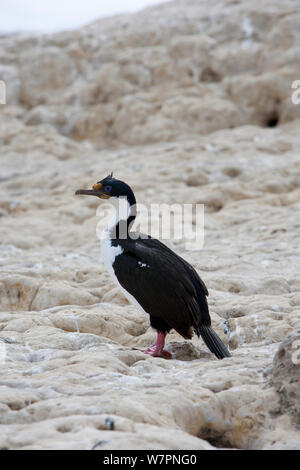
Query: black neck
{"x": 123, "y": 226}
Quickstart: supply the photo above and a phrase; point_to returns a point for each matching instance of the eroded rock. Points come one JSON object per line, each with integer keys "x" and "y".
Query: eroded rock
{"x": 188, "y": 108}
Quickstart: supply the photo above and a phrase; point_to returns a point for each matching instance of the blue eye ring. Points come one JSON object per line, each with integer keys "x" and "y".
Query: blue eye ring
{"x": 107, "y": 188}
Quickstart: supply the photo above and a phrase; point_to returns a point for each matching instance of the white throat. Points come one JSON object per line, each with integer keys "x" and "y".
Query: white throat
{"x": 122, "y": 211}
{"x": 109, "y": 252}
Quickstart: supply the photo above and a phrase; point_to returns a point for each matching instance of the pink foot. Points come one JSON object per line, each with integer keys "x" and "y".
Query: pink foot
{"x": 154, "y": 353}
{"x": 166, "y": 354}
{"x": 157, "y": 349}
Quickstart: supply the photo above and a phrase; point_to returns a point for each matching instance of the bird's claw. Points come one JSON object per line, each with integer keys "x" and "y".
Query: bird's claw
{"x": 153, "y": 351}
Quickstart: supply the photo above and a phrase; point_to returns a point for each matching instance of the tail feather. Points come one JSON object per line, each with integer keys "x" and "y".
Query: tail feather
{"x": 213, "y": 342}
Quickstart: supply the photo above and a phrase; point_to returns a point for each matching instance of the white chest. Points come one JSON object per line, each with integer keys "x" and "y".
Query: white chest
{"x": 108, "y": 255}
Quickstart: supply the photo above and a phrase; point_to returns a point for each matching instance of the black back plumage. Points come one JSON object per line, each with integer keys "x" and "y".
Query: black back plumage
{"x": 163, "y": 283}
{"x": 167, "y": 288}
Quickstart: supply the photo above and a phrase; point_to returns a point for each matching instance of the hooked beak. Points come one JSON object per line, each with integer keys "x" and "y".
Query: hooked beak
{"x": 96, "y": 191}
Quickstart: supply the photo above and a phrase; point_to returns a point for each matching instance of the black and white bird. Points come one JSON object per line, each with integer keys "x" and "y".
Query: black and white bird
{"x": 152, "y": 276}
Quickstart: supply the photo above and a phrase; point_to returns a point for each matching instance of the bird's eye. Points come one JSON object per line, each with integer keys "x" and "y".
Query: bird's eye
{"x": 107, "y": 188}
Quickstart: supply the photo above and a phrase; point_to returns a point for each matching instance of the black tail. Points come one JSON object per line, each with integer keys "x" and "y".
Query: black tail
{"x": 213, "y": 342}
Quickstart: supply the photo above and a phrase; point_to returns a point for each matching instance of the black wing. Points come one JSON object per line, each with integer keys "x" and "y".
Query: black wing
{"x": 163, "y": 283}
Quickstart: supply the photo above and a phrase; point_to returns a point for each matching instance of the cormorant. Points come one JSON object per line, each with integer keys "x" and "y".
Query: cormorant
{"x": 152, "y": 276}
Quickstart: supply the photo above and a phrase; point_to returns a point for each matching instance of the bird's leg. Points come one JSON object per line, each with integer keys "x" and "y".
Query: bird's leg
{"x": 157, "y": 349}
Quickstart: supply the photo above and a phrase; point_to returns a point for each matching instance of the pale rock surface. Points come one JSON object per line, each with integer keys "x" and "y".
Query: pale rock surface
{"x": 286, "y": 376}
{"x": 177, "y": 100}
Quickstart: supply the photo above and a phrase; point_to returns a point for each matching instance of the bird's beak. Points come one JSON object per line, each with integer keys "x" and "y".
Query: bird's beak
{"x": 96, "y": 191}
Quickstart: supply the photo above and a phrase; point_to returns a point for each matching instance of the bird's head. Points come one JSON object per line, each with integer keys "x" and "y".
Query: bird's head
{"x": 108, "y": 188}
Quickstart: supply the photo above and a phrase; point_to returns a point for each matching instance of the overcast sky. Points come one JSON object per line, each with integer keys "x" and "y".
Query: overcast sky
{"x": 55, "y": 15}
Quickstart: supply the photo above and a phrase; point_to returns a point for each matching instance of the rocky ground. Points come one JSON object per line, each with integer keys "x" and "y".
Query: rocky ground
{"x": 189, "y": 102}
